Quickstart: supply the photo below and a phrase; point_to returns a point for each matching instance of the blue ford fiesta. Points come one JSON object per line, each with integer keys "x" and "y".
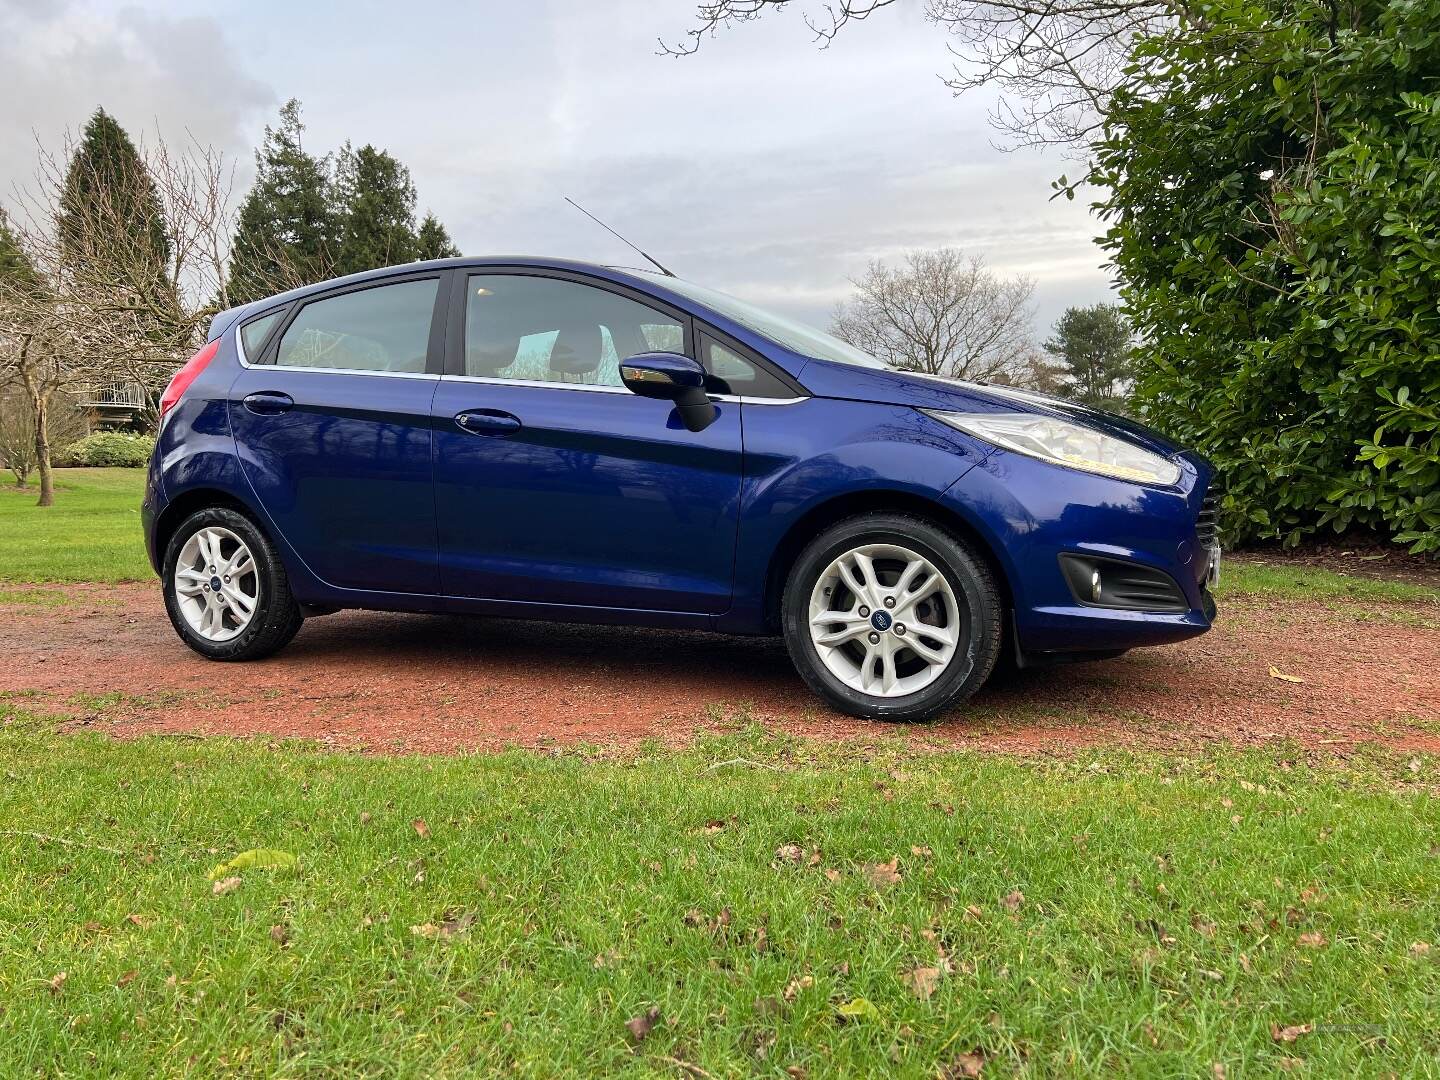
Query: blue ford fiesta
{"x": 548, "y": 439}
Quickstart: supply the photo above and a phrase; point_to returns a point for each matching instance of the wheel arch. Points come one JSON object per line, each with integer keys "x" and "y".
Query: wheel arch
{"x": 832, "y": 511}
{"x": 187, "y": 503}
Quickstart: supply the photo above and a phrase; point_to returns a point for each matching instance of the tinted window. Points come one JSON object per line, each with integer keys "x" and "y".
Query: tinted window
{"x": 254, "y": 332}
{"x": 731, "y": 373}
{"x": 386, "y": 328}
{"x": 547, "y": 330}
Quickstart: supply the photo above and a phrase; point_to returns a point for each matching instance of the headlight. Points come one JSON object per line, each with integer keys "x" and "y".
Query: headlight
{"x": 1063, "y": 443}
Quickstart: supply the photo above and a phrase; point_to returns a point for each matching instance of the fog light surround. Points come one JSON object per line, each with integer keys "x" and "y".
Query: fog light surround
{"x": 1121, "y": 584}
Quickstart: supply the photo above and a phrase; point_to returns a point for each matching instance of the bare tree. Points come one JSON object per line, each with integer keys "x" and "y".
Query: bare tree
{"x": 93, "y": 310}
{"x": 940, "y": 313}
{"x": 1058, "y": 61}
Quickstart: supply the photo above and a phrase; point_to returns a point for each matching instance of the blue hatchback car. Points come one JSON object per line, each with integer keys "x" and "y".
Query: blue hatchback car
{"x": 540, "y": 438}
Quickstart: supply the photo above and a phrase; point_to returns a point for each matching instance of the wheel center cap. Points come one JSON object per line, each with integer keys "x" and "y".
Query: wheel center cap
{"x": 215, "y": 583}
{"x": 881, "y": 620}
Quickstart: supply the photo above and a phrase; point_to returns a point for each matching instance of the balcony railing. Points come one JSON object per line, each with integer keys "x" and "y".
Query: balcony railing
{"x": 119, "y": 396}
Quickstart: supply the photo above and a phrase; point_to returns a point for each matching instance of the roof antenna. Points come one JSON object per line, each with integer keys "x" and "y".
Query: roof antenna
{"x": 612, "y": 232}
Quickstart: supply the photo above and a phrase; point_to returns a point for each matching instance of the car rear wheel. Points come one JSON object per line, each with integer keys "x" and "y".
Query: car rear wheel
{"x": 225, "y": 588}
{"x": 888, "y": 617}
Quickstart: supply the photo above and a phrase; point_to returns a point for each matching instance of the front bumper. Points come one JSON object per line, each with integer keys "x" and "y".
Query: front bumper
{"x": 1032, "y": 512}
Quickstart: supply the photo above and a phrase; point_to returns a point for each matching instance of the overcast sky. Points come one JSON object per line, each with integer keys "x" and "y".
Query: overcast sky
{"x": 763, "y": 166}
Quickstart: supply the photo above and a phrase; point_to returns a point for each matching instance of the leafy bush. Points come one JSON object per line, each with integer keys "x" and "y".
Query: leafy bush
{"x": 1274, "y": 205}
{"x": 113, "y": 449}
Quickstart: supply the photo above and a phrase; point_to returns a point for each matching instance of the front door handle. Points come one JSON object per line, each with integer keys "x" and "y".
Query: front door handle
{"x": 491, "y": 422}
{"x": 268, "y": 402}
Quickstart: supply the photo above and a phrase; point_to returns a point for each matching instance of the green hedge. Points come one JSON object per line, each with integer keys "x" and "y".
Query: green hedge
{"x": 1273, "y": 192}
{"x": 108, "y": 449}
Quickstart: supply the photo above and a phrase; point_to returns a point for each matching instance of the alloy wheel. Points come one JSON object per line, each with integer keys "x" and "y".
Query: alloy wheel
{"x": 884, "y": 620}
{"x": 216, "y": 583}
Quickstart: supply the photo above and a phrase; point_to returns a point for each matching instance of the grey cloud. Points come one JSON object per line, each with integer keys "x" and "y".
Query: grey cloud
{"x": 151, "y": 71}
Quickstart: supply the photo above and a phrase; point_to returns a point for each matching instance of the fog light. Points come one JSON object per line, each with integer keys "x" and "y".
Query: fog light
{"x": 1095, "y": 585}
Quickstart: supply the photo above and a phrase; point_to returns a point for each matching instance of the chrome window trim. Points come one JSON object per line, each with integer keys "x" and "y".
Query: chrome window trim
{"x": 595, "y": 388}
{"x": 245, "y": 363}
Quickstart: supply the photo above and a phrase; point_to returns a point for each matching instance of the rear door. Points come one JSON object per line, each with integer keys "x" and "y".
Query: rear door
{"x": 553, "y": 483}
{"x": 332, "y": 423}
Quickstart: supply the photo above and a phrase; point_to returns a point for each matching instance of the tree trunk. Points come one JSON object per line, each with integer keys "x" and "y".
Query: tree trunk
{"x": 40, "y": 403}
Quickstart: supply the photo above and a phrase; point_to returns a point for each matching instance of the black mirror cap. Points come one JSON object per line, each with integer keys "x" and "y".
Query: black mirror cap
{"x": 662, "y": 375}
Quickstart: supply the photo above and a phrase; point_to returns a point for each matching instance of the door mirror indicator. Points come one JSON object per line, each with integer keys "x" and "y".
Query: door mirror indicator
{"x": 669, "y": 376}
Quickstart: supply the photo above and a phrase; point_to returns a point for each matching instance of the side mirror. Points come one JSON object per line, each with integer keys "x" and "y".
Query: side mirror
{"x": 670, "y": 376}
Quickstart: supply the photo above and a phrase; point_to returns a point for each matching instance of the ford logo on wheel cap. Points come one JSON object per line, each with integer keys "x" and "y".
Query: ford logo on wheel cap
{"x": 881, "y": 620}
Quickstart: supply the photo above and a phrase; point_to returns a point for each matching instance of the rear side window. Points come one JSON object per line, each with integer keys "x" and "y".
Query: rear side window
{"x": 537, "y": 329}
{"x": 254, "y": 333}
{"x": 386, "y": 328}
{"x": 731, "y": 373}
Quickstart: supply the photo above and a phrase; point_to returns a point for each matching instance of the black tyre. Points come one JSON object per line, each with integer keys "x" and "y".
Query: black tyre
{"x": 226, "y": 591}
{"x": 889, "y": 617}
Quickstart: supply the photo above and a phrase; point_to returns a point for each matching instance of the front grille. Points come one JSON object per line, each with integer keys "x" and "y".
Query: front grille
{"x": 1207, "y": 525}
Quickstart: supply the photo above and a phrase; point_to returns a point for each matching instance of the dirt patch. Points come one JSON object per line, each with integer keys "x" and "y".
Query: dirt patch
{"x": 108, "y": 659}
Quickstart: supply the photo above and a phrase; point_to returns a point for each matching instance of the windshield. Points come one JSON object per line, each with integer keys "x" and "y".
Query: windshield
{"x": 793, "y": 335}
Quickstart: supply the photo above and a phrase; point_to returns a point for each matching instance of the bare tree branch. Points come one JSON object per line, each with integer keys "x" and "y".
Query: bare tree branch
{"x": 941, "y": 314}
{"x": 1056, "y": 61}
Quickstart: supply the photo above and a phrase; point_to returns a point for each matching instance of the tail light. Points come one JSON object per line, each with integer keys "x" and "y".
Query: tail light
{"x": 187, "y": 375}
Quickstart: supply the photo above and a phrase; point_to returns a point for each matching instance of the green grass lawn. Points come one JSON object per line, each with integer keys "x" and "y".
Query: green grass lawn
{"x": 782, "y": 906}
{"x": 92, "y": 533}
{"x": 775, "y": 907}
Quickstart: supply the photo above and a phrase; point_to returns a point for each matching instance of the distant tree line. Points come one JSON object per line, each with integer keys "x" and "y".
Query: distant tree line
{"x": 310, "y": 217}
{"x": 113, "y": 264}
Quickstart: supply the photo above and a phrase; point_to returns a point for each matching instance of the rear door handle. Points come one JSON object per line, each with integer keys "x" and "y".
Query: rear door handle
{"x": 268, "y": 402}
{"x": 491, "y": 422}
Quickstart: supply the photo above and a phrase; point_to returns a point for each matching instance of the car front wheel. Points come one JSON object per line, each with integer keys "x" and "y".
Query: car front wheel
{"x": 225, "y": 588}
{"x": 889, "y": 617}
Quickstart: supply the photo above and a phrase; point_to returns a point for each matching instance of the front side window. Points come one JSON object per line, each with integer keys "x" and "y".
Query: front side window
{"x": 537, "y": 329}
{"x": 386, "y": 328}
{"x": 731, "y": 373}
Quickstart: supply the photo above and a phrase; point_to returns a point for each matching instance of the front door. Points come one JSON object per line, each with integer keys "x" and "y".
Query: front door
{"x": 553, "y": 483}
{"x": 332, "y": 425}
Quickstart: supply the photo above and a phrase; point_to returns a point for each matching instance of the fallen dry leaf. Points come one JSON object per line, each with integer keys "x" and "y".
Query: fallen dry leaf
{"x": 365, "y": 817}
{"x": 1013, "y": 900}
{"x": 1314, "y": 938}
{"x": 1420, "y": 948}
{"x": 445, "y": 930}
{"x": 885, "y": 873}
{"x": 857, "y": 1009}
{"x": 1289, "y": 1064}
{"x": 713, "y": 826}
{"x": 57, "y": 983}
{"x": 225, "y": 885}
{"x": 421, "y": 829}
{"x": 1276, "y": 673}
{"x": 922, "y": 981}
{"x": 965, "y": 1066}
{"x": 1290, "y": 1034}
{"x": 640, "y": 1026}
{"x": 921, "y": 850}
{"x": 790, "y": 853}
{"x": 127, "y": 978}
{"x": 279, "y": 934}
{"x": 795, "y": 986}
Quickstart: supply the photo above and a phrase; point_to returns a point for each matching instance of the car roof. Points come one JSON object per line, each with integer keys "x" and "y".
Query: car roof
{"x": 612, "y": 273}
